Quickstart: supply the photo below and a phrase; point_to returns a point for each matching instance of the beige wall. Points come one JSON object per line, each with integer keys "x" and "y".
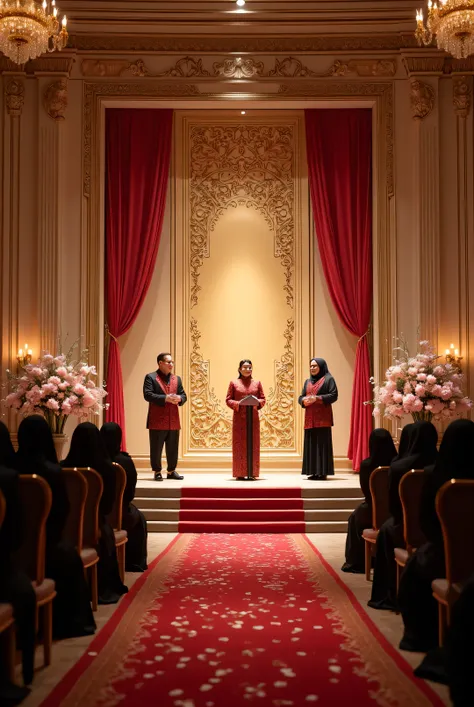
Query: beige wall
{"x": 43, "y": 294}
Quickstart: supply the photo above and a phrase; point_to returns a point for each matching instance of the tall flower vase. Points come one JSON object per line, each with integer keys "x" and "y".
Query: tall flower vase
{"x": 59, "y": 442}
{"x": 423, "y": 416}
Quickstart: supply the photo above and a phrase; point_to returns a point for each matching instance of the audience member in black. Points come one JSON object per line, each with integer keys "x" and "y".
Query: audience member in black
{"x": 133, "y": 520}
{"x": 381, "y": 453}
{"x": 88, "y": 449}
{"x": 418, "y": 607}
{"x": 460, "y": 648}
{"x": 15, "y": 585}
{"x": 421, "y": 452}
{"x": 72, "y": 613}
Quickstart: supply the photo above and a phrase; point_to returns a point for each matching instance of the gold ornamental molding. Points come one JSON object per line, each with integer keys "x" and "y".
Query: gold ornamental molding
{"x": 240, "y": 45}
{"x": 239, "y": 68}
{"x": 55, "y": 99}
{"x": 462, "y": 95}
{"x": 422, "y": 99}
{"x": 233, "y": 165}
{"x": 14, "y": 96}
{"x": 40, "y": 66}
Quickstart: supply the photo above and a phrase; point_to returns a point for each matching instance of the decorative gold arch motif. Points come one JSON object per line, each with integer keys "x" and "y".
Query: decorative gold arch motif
{"x": 254, "y": 166}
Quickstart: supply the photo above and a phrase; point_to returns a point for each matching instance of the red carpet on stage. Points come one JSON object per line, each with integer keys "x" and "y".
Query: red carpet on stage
{"x": 247, "y": 509}
{"x": 226, "y": 620}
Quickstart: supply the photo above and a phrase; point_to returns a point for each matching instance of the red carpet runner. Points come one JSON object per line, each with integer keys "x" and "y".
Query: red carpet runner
{"x": 245, "y": 509}
{"x": 228, "y": 620}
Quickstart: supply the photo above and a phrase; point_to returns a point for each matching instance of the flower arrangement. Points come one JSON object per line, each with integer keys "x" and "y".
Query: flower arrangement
{"x": 57, "y": 386}
{"x": 420, "y": 386}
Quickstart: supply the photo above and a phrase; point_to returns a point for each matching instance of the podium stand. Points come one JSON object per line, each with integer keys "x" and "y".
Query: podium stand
{"x": 250, "y": 401}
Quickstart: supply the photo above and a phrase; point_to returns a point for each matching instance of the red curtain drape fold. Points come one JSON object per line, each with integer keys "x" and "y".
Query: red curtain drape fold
{"x": 339, "y": 149}
{"x": 138, "y": 150}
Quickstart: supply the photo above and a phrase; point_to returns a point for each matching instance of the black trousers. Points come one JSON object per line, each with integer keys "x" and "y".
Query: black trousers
{"x": 169, "y": 438}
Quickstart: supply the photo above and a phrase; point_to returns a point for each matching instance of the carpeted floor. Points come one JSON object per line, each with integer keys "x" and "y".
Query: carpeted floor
{"x": 231, "y": 619}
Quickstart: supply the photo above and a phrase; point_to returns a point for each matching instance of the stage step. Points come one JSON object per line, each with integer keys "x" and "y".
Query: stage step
{"x": 247, "y": 508}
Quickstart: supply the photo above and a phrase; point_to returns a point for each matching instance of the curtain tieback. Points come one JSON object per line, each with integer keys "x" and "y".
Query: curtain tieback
{"x": 362, "y": 337}
{"x": 109, "y": 333}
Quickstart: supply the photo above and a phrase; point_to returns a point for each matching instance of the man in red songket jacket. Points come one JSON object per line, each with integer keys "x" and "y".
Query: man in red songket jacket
{"x": 165, "y": 393}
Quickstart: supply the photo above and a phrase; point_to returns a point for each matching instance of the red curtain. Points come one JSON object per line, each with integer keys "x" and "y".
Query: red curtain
{"x": 339, "y": 148}
{"x": 138, "y": 149}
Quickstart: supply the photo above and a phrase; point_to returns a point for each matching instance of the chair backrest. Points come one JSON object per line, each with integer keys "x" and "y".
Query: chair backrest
{"x": 379, "y": 491}
{"x": 115, "y": 516}
{"x": 35, "y": 499}
{"x": 76, "y": 488}
{"x": 95, "y": 486}
{"x": 3, "y": 508}
{"x": 411, "y": 486}
{"x": 455, "y": 508}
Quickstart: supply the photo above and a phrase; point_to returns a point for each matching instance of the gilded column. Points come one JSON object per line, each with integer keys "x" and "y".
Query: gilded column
{"x": 14, "y": 96}
{"x": 424, "y": 106}
{"x": 53, "y": 100}
{"x": 462, "y": 100}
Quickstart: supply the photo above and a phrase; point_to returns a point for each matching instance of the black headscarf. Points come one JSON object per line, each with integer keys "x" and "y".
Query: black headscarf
{"x": 88, "y": 449}
{"x": 381, "y": 453}
{"x": 323, "y": 369}
{"x": 421, "y": 452}
{"x": 7, "y": 453}
{"x": 111, "y": 434}
{"x": 37, "y": 455}
{"x": 455, "y": 461}
{"x": 35, "y": 444}
{"x": 404, "y": 443}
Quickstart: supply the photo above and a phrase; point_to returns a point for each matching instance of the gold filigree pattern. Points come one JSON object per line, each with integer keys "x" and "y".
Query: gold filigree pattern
{"x": 236, "y": 165}
{"x": 241, "y": 165}
{"x": 211, "y": 422}
{"x": 276, "y": 418}
{"x": 238, "y": 68}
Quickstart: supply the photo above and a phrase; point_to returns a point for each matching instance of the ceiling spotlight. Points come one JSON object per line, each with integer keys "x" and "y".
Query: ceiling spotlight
{"x": 240, "y": 3}
{"x": 242, "y": 112}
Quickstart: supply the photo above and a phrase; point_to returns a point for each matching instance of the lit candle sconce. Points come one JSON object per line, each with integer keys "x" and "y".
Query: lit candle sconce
{"x": 452, "y": 356}
{"x": 24, "y": 356}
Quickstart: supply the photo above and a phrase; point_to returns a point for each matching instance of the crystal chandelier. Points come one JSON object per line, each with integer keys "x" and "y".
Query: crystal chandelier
{"x": 28, "y": 29}
{"x": 452, "y": 21}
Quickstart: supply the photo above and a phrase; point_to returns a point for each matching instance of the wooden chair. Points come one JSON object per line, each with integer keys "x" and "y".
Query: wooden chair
{"x": 380, "y": 513}
{"x": 91, "y": 531}
{"x": 7, "y": 623}
{"x": 411, "y": 486}
{"x": 36, "y": 499}
{"x": 115, "y": 517}
{"x": 454, "y": 505}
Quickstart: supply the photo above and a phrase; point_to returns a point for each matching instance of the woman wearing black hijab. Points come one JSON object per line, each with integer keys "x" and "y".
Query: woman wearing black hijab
{"x": 418, "y": 607}
{"x": 72, "y": 613}
{"x": 88, "y": 449}
{"x": 15, "y": 585}
{"x": 133, "y": 520}
{"x": 318, "y": 394}
{"x": 421, "y": 452}
{"x": 382, "y": 451}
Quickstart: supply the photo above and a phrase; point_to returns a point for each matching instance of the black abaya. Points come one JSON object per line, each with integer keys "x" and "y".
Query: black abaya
{"x": 72, "y": 613}
{"x": 418, "y": 607}
{"x": 421, "y": 451}
{"x": 382, "y": 451}
{"x": 133, "y": 520}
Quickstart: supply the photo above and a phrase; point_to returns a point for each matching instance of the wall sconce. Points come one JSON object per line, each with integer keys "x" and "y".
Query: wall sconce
{"x": 452, "y": 356}
{"x": 24, "y": 356}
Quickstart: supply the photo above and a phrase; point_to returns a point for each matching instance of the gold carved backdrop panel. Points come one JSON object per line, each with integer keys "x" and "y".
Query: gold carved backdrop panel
{"x": 240, "y": 257}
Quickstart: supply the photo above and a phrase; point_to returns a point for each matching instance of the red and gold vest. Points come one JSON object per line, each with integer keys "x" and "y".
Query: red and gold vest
{"x": 318, "y": 414}
{"x": 164, "y": 417}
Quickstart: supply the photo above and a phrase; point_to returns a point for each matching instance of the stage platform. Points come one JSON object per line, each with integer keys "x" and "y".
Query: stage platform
{"x": 215, "y": 502}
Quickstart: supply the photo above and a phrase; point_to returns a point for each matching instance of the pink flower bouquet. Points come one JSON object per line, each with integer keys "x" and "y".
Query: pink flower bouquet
{"x": 57, "y": 386}
{"x": 420, "y": 386}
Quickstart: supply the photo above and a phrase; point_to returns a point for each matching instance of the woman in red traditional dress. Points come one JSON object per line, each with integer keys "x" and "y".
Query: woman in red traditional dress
{"x": 238, "y": 389}
{"x": 319, "y": 392}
